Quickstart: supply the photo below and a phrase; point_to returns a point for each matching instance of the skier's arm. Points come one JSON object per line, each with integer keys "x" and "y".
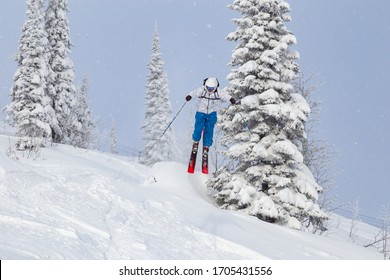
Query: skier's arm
{"x": 195, "y": 93}
{"x": 227, "y": 97}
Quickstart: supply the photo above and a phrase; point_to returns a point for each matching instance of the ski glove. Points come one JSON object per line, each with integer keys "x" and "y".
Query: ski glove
{"x": 232, "y": 100}
{"x": 188, "y": 97}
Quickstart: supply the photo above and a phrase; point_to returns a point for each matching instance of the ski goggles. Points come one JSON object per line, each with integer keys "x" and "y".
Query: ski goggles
{"x": 210, "y": 89}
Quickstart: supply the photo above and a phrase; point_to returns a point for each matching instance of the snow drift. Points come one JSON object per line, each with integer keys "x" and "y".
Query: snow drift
{"x": 67, "y": 203}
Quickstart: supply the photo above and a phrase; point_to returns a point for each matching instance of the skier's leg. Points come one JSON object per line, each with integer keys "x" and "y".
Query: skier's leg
{"x": 209, "y": 129}
{"x": 198, "y": 128}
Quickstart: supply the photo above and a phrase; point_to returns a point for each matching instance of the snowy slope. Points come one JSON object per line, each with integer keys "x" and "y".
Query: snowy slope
{"x": 67, "y": 203}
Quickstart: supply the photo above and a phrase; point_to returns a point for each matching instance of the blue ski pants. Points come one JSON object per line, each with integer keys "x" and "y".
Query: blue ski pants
{"x": 204, "y": 123}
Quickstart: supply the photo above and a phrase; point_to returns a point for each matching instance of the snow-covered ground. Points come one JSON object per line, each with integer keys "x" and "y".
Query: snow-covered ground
{"x": 68, "y": 203}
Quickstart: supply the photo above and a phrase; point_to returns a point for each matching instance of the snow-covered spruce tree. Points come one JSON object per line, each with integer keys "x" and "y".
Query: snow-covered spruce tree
{"x": 83, "y": 137}
{"x": 60, "y": 85}
{"x": 30, "y": 109}
{"x": 158, "y": 111}
{"x": 266, "y": 176}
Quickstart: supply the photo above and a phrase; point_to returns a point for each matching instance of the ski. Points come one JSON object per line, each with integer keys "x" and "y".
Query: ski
{"x": 205, "y": 160}
{"x": 194, "y": 153}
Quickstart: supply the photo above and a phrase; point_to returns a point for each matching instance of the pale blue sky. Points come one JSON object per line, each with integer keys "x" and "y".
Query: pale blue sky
{"x": 345, "y": 43}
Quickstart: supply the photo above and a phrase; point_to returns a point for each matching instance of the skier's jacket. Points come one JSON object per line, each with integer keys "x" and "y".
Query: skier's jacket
{"x": 208, "y": 102}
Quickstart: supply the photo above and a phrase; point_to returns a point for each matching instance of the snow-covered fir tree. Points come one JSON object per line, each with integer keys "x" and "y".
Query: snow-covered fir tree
{"x": 114, "y": 144}
{"x": 266, "y": 176}
{"x": 158, "y": 147}
{"x": 83, "y": 137}
{"x": 30, "y": 109}
{"x": 60, "y": 85}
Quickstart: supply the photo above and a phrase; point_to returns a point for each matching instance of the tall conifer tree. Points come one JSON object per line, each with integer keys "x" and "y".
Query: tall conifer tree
{"x": 82, "y": 137}
{"x": 30, "y": 109}
{"x": 60, "y": 85}
{"x": 158, "y": 147}
{"x": 266, "y": 176}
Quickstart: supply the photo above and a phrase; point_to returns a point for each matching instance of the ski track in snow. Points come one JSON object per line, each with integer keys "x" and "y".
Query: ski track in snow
{"x": 21, "y": 223}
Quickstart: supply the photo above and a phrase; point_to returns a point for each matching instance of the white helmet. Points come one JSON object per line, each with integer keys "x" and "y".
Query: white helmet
{"x": 211, "y": 84}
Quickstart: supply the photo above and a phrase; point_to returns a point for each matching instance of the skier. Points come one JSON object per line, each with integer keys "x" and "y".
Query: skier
{"x": 205, "y": 118}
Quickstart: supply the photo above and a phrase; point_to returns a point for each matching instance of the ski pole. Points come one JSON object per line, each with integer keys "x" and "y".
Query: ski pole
{"x": 245, "y": 122}
{"x": 173, "y": 119}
